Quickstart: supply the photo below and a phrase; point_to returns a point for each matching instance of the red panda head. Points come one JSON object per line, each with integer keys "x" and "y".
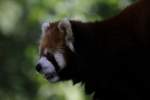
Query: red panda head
{"x": 55, "y": 38}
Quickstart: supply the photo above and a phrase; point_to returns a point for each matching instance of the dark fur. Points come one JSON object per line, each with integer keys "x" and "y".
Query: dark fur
{"x": 112, "y": 56}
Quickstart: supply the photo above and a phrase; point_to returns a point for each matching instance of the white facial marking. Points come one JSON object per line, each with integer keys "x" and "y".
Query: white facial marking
{"x": 59, "y": 57}
{"x": 70, "y": 45}
{"x": 47, "y": 66}
{"x": 45, "y": 51}
{"x": 45, "y": 25}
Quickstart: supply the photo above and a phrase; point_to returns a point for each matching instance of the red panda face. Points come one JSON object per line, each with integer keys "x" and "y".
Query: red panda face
{"x": 52, "y": 39}
{"x": 55, "y": 38}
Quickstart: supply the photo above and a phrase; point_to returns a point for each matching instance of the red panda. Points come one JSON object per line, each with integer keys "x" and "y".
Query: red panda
{"x": 110, "y": 56}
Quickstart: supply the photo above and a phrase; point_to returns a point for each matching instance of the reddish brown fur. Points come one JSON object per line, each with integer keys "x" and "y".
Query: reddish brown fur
{"x": 53, "y": 38}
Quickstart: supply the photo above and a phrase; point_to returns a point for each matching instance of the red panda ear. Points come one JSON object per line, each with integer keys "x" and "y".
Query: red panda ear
{"x": 44, "y": 27}
{"x": 65, "y": 26}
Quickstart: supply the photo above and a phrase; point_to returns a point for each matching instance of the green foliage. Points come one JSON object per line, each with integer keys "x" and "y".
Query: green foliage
{"x": 20, "y": 22}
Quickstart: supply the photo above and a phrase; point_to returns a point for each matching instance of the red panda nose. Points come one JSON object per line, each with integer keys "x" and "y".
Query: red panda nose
{"x": 38, "y": 67}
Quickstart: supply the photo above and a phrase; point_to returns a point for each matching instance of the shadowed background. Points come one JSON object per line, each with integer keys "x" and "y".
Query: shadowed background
{"x": 20, "y": 24}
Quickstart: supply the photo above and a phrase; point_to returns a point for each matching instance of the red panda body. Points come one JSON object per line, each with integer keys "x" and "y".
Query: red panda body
{"x": 129, "y": 29}
{"x": 111, "y": 57}
{"x": 115, "y": 53}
